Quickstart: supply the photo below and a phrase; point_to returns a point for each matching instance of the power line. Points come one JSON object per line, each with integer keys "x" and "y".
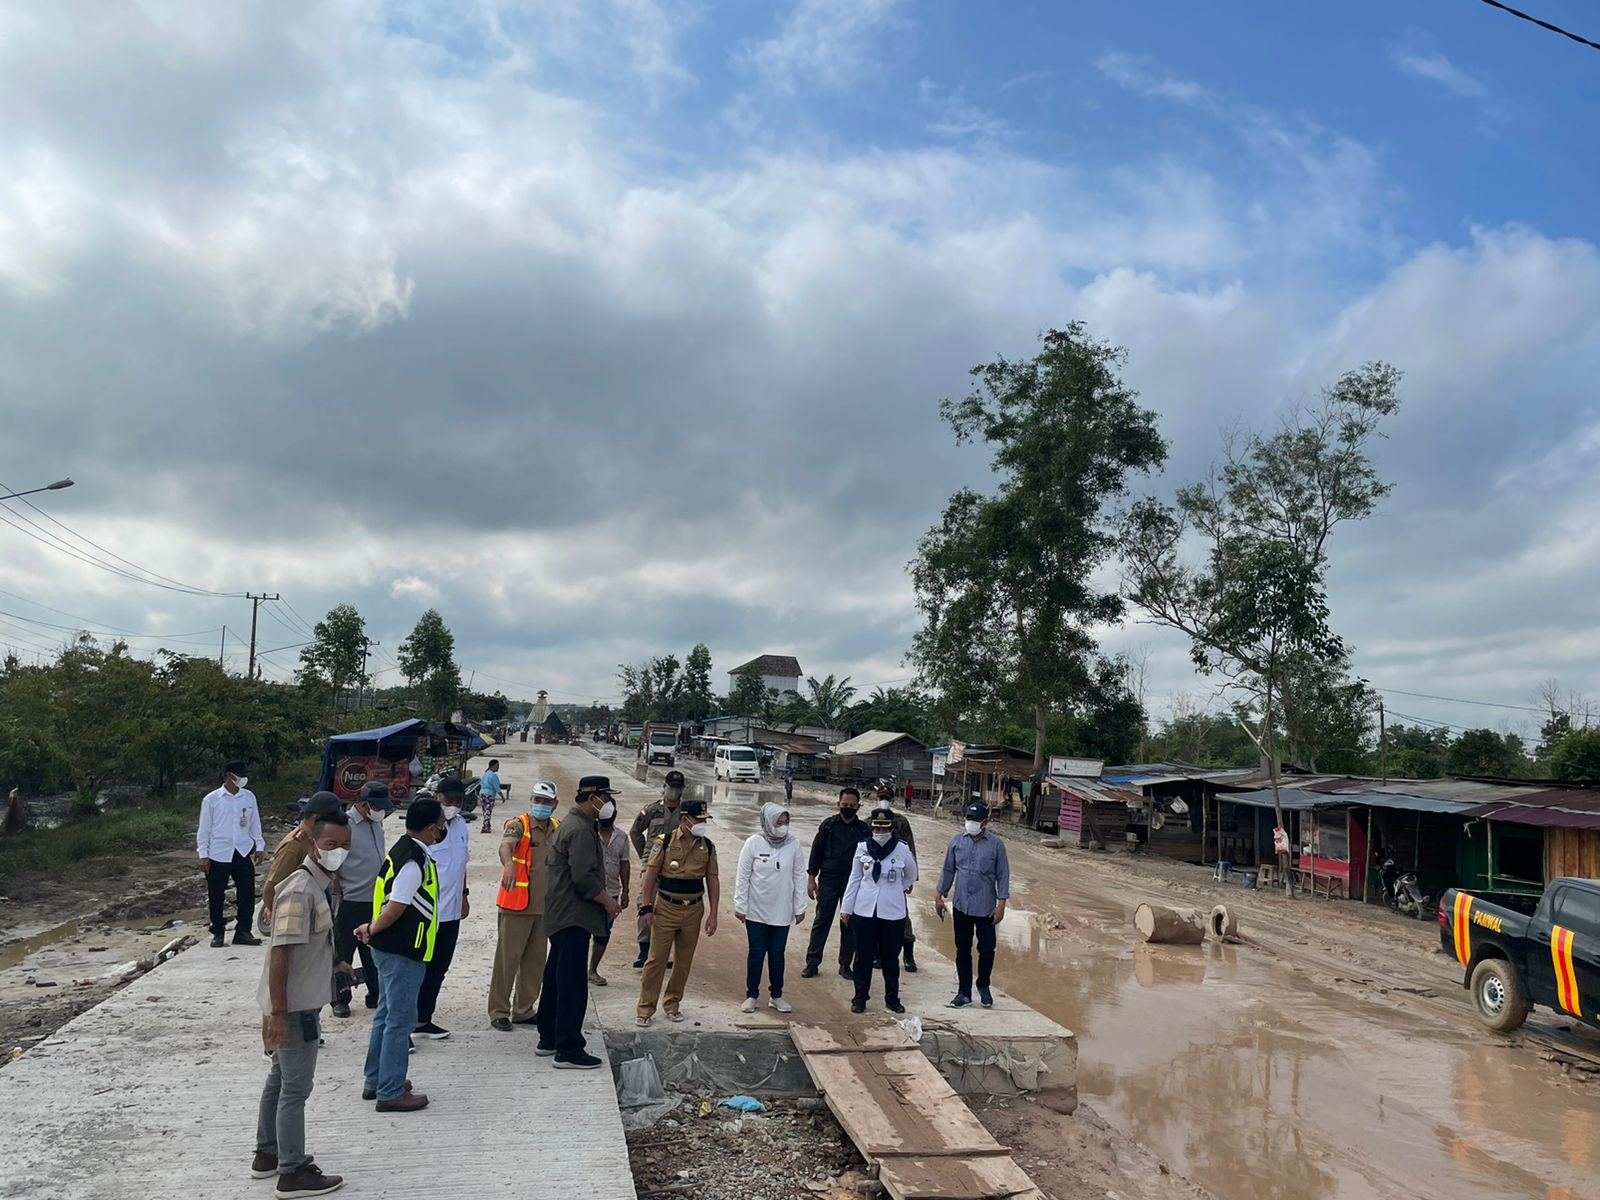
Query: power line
{"x": 1566, "y": 33}
{"x": 1457, "y": 699}
{"x": 309, "y": 628}
{"x": 193, "y": 635}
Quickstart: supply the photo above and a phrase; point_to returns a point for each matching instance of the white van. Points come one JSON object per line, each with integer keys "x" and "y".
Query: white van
{"x": 736, "y": 763}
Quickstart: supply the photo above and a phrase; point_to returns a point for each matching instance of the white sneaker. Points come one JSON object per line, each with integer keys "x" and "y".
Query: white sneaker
{"x": 782, "y": 1005}
{"x": 749, "y": 1004}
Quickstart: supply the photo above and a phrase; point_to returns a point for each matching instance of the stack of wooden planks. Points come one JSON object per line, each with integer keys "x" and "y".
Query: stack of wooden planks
{"x": 903, "y": 1116}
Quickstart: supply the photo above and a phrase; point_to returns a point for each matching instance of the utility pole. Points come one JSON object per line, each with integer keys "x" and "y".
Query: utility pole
{"x": 368, "y": 644}
{"x": 222, "y": 649}
{"x": 255, "y": 603}
{"x": 1383, "y": 743}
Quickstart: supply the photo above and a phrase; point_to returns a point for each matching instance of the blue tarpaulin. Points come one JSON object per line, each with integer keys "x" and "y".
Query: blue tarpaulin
{"x": 414, "y": 726}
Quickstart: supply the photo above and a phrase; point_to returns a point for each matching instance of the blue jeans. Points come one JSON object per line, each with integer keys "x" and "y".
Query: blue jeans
{"x": 389, "y": 1047}
{"x": 767, "y": 943}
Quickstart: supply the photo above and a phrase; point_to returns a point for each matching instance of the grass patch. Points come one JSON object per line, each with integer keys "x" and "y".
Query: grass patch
{"x": 150, "y": 827}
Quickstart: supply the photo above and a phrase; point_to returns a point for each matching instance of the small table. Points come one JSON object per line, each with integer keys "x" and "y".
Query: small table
{"x": 1267, "y": 875}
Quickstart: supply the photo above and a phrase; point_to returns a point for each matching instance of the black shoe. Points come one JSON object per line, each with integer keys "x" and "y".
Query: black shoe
{"x": 218, "y": 941}
{"x": 894, "y": 1006}
{"x": 263, "y": 1165}
{"x": 809, "y": 973}
{"x": 846, "y": 973}
{"x": 581, "y": 1061}
{"x": 858, "y": 1006}
{"x": 341, "y": 1009}
{"x": 430, "y": 1031}
{"x": 502, "y": 1024}
{"x": 985, "y": 996}
{"x": 639, "y": 962}
{"x": 372, "y": 1000}
{"x": 544, "y": 1051}
{"x": 308, "y": 1181}
{"x": 911, "y": 962}
{"x": 962, "y": 1000}
{"x": 246, "y": 939}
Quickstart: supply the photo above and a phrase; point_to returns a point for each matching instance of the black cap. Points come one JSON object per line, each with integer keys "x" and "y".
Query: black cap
{"x": 376, "y": 793}
{"x": 324, "y": 804}
{"x": 882, "y": 818}
{"x": 237, "y": 767}
{"x": 593, "y": 785}
{"x": 452, "y": 786}
{"x": 694, "y": 808}
{"x": 977, "y": 811}
{"x": 674, "y": 778}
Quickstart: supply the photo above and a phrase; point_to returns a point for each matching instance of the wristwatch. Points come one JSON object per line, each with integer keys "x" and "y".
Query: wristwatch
{"x": 646, "y": 908}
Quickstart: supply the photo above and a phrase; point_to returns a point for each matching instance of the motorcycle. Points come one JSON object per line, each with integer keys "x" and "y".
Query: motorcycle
{"x": 1401, "y": 892}
{"x": 429, "y": 791}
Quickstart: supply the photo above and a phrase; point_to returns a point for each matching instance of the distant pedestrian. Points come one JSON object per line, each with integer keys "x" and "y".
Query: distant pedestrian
{"x": 577, "y": 907}
{"x": 356, "y": 880}
{"x": 769, "y": 897}
{"x": 521, "y": 942}
{"x": 911, "y": 793}
{"x": 296, "y": 981}
{"x": 881, "y": 877}
{"x": 652, "y": 820}
{"x": 449, "y": 855}
{"x": 976, "y": 864}
{"x": 679, "y": 895}
{"x": 402, "y": 933}
{"x": 291, "y": 851}
{"x": 832, "y": 851}
{"x": 489, "y": 792}
{"x": 614, "y": 849}
{"x": 228, "y": 841}
{"x": 788, "y": 787}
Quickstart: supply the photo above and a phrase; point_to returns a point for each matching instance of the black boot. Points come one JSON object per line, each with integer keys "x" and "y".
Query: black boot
{"x": 911, "y": 961}
{"x": 644, "y": 953}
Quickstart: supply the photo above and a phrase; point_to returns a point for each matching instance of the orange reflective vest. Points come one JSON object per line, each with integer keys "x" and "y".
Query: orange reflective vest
{"x": 515, "y": 897}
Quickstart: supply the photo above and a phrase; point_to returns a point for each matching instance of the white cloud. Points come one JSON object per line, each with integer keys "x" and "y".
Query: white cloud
{"x": 952, "y": 115}
{"x": 827, "y": 43}
{"x": 1436, "y": 69}
{"x": 1141, "y": 75}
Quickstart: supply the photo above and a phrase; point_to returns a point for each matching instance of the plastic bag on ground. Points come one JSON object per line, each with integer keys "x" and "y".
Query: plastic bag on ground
{"x": 748, "y": 1104}
{"x": 640, "y": 1083}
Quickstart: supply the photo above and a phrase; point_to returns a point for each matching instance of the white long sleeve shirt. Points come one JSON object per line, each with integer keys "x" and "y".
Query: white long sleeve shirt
{"x": 450, "y": 857}
{"x": 230, "y": 823}
{"x": 770, "y": 888}
{"x": 886, "y": 896}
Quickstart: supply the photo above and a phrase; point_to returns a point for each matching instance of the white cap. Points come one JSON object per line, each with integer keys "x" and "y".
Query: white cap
{"x": 545, "y": 790}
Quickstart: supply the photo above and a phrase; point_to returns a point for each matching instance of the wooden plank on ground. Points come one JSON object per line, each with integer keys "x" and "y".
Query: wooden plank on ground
{"x": 958, "y": 1179}
{"x": 845, "y": 1039}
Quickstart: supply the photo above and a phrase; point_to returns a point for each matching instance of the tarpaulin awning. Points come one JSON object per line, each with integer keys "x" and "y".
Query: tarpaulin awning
{"x": 378, "y": 735}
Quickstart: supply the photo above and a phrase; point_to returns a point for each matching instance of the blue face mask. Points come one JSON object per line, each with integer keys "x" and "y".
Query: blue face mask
{"x": 541, "y": 812}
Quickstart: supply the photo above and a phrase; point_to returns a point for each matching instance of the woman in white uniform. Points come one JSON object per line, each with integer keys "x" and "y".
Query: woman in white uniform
{"x": 874, "y": 906}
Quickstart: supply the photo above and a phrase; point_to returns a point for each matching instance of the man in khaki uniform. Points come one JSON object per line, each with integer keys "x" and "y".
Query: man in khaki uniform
{"x": 680, "y": 888}
{"x": 654, "y": 819}
{"x": 520, "y": 952}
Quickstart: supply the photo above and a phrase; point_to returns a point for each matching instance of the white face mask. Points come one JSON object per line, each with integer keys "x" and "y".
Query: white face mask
{"x": 699, "y": 829}
{"x": 882, "y": 836}
{"x": 331, "y": 860}
{"x": 974, "y": 827}
{"x": 241, "y": 781}
{"x": 451, "y": 812}
{"x": 608, "y": 810}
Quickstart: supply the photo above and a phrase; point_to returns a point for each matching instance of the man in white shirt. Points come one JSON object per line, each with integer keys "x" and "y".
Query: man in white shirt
{"x": 228, "y": 842}
{"x": 449, "y": 855}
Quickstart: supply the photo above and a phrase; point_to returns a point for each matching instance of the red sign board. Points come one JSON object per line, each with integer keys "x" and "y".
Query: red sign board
{"x": 350, "y": 773}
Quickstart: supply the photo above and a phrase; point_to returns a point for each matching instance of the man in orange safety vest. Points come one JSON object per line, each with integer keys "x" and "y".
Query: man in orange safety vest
{"x": 519, "y": 955}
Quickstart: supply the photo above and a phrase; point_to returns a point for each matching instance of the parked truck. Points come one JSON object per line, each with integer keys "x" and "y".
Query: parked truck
{"x": 659, "y": 742}
{"x": 1519, "y": 951}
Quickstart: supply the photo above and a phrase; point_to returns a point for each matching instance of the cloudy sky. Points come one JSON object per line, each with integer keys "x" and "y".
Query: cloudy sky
{"x": 610, "y": 326}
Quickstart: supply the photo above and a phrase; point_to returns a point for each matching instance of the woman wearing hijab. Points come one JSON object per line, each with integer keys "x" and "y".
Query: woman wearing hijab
{"x": 769, "y": 896}
{"x": 881, "y": 876}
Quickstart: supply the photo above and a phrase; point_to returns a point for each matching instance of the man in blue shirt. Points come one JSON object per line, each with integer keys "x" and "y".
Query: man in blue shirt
{"x": 975, "y": 863}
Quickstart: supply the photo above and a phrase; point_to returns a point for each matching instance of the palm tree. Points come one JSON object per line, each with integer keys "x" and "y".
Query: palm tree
{"x": 826, "y": 704}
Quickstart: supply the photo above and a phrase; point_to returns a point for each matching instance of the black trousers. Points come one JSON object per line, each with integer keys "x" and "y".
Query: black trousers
{"x": 243, "y": 873}
{"x": 564, "y": 997}
{"x": 878, "y": 938}
{"x": 352, "y": 913}
{"x": 828, "y": 896}
{"x": 444, "y": 953}
{"x": 965, "y": 927}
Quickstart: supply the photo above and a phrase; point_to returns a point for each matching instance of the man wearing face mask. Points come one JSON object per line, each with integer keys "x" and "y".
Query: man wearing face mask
{"x": 522, "y": 942}
{"x": 402, "y": 933}
{"x": 356, "y": 877}
{"x": 614, "y": 850}
{"x": 654, "y": 820}
{"x": 291, "y": 851}
{"x": 295, "y": 984}
{"x": 680, "y": 886}
{"x": 577, "y": 907}
{"x": 449, "y": 855}
{"x": 832, "y": 851}
{"x": 976, "y": 864}
{"x": 228, "y": 842}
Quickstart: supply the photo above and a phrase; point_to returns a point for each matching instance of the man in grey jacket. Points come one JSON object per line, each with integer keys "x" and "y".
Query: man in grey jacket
{"x": 576, "y": 909}
{"x": 356, "y": 878}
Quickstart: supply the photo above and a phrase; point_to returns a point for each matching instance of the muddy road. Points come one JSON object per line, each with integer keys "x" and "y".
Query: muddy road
{"x": 1260, "y": 1076}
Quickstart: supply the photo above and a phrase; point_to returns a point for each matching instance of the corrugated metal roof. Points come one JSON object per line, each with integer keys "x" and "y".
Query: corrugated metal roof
{"x": 1292, "y": 799}
{"x": 870, "y": 741}
{"x": 1254, "y": 779}
{"x": 1547, "y": 818}
{"x": 1094, "y": 791}
{"x": 1145, "y": 774}
{"x": 1403, "y": 801}
{"x": 1467, "y": 791}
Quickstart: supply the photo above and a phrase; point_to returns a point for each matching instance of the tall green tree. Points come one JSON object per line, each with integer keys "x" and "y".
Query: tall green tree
{"x": 1328, "y": 717}
{"x": 1007, "y": 582}
{"x": 749, "y": 696}
{"x": 427, "y": 659}
{"x": 1485, "y": 752}
{"x": 337, "y": 651}
{"x": 696, "y": 695}
{"x": 823, "y": 703}
{"x": 1577, "y": 757}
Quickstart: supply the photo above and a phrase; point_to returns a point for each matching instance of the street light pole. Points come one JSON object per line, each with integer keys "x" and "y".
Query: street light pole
{"x": 49, "y": 487}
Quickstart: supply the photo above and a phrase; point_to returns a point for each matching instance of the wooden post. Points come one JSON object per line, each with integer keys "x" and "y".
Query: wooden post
{"x": 1366, "y": 859}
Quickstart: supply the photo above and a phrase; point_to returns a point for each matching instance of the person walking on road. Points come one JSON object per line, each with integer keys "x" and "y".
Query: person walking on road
{"x": 769, "y": 897}
{"x": 902, "y": 831}
{"x": 788, "y": 787}
{"x": 614, "y": 847}
{"x": 228, "y": 842}
{"x": 881, "y": 877}
{"x": 402, "y": 933}
{"x": 680, "y": 886}
{"x": 289, "y": 853}
{"x": 356, "y": 878}
{"x": 489, "y": 792}
{"x": 577, "y": 907}
{"x": 521, "y": 943}
{"x": 449, "y": 855}
{"x": 653, "y": 820}
{"x": 976, "y": 864}
{"x": 832, "y": 851}
{"x": 296, "y": 981}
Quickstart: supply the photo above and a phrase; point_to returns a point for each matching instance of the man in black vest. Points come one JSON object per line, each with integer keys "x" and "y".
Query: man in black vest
{"x": 404, "y": 926}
